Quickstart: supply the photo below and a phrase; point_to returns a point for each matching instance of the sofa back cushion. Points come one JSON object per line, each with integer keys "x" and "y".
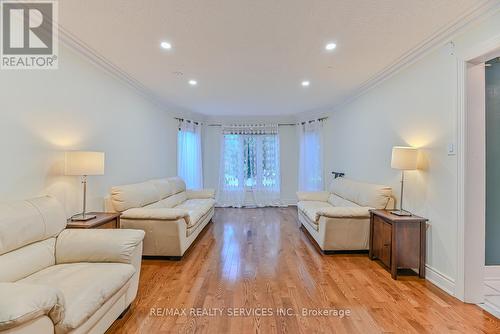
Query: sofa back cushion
{"x": 364, "y": 194}
{"x": 25, "y": 222}
{"x": 27, "y": 260}
{"x": 134, "y": 196}
{"x": 338, "y": 201}
{"x": 174, "y": 200}
{"x": 164, "y": 187}
{"x": 178, "y": 184}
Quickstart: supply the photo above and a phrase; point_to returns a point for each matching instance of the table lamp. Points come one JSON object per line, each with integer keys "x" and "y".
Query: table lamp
{"x": 403, "y": 158}
{"x": 84, "y": 164}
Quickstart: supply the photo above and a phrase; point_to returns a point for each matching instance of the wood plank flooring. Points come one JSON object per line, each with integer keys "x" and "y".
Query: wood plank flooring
{"x": 258, "y": 260}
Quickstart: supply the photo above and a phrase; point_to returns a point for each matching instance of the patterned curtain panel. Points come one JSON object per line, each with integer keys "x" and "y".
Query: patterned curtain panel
{"x": 311, "y": 156}
{"x": 250, "y": 168}
{"x": 189, "y": 163}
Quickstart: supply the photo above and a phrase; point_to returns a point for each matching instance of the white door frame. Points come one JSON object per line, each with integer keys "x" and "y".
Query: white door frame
{"x": 470, "y": 264}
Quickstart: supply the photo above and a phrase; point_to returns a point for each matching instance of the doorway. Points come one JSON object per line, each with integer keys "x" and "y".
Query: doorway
{"x": 479, "y": 180}
{"x": 492, "y": 209}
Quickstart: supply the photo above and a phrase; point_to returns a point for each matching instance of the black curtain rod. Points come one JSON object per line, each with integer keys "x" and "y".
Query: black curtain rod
{"x": 187, "y": 120}
{"x": 279, "y": 124}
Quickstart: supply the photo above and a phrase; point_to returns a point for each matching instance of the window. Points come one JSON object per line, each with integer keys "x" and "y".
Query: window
{"x": 231, "y": 152}
{"x": 250, "y": 160}
{"x": 249, "y": 165}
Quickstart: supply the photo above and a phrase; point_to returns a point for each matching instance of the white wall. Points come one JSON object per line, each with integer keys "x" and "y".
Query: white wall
{"x": 289, "y": 154}
{"x": 78, "y": 107}
{"x": 415, "y": 107}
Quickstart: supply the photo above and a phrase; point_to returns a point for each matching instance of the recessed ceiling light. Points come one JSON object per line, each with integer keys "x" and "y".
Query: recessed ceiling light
{"x": 305, "y": 83}
{"x": 166, "y": 45}
{"x": 193, "y": 82}
{"x": 330, "y": 46}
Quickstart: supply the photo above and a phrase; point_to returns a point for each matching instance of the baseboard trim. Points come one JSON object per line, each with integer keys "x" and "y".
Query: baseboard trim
{"x": 490, "y": 308}
{"x": 440, "y": 280}
{"x": 283, "y": 203}
{"x": 289, "y": 202}
{"x": 492, "y": 273}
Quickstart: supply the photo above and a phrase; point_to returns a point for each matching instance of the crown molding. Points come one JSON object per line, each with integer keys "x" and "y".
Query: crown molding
{"x": 227, "y": 119}
{"x": 77, "y": 45}
{"x": 438, "y": 39}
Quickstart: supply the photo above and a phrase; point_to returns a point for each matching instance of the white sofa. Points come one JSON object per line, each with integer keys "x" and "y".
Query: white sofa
{"x": 171, "y": 216}
{"x": 339, "y": 219}
{"x": 57, "y": 280}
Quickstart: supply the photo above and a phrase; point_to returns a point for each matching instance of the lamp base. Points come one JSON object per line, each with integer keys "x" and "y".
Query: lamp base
{"x": 401, "y": 213}
{"x": 82, "y": 217}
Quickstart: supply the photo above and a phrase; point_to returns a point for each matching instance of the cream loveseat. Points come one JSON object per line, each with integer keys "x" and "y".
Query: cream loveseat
{"x": 57, "y": 280}
{"x": 171, "y": 216}
{"x": 339, "y": 219}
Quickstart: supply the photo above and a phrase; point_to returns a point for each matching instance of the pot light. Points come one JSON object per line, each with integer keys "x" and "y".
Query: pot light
{"x": 193, "y": 82}
{"x": 305, "y": 83}
{"x": 166, "y": 45}
{"x": 330, "y": 46}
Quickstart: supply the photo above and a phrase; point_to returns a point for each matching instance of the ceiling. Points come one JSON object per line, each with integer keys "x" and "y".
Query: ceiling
{"x": 250, "y": 57}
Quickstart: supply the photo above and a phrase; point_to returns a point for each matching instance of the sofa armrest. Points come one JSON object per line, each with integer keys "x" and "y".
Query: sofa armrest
{"x": 97, "y": 245}
{"x": 321, "y": 196}
{"x": 21, "y": 303}
{"x": 343, "y": 212}
{"x": 200, "y": 193}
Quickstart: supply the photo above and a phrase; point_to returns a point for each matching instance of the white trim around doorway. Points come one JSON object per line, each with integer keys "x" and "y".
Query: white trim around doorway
{"x": 463, "y": 286}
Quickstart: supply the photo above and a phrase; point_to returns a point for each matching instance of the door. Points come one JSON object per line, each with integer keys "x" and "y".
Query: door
{"x": 492, "y": 79}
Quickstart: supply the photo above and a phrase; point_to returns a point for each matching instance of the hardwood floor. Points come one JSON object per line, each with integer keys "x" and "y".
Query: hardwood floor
{"x": 257, "y": 259}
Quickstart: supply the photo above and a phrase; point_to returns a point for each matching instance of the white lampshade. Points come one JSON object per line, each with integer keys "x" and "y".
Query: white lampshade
{"x": 84, "y": 163}
{"x": 404, "y": 158}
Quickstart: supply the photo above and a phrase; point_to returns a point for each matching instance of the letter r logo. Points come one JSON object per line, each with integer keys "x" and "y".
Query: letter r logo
{"x": 27, "y": 28}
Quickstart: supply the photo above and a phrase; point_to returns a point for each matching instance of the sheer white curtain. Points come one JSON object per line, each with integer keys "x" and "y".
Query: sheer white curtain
{"x": 266, "y": 191}
{"x": 231, "y": 190}
{"x": 189, "y": 162}
{"x": 249, "y": 166}
{"x": 311, "y": 156}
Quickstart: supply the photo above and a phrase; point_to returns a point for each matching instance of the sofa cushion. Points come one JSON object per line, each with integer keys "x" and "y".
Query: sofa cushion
{"x": 27, "y": 260}
{"x": 85, "y": 287}
{"x": 21, "y": 303}
{"x": 309, "y": 208}
{"x": 26, "y": 222}
{"x": 155, "y": 205}
{"x": 197, "y": 208}
{"x": 361, "y": 193}
{"x": 321, "y": 196}
{"x": 178, "y": 185}
{"x": 134, "y": 195}
{"x": 339, "y": 201}
{"x": 174, "y": 200}
{"x": 164, "y": 187}
{"x": 154, "y": 214}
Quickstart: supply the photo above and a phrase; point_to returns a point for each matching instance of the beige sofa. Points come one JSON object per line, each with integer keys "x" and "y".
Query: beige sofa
{"x": 171, "y": 216}
{"x": 57, "y": 280}
{"x": 339, "y": 219}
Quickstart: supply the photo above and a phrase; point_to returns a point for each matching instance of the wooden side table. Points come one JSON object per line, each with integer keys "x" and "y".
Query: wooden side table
{"x": 398, "y": 241}
{"x": 102, "y": 220}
